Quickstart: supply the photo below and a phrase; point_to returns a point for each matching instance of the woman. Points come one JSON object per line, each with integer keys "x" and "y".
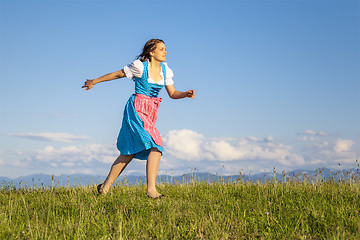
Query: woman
{"x": 138, "y": 137}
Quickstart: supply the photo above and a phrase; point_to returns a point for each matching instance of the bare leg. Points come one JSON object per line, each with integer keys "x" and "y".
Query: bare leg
{"x": 116, "y": 169}
{"x": 152, "y": 166}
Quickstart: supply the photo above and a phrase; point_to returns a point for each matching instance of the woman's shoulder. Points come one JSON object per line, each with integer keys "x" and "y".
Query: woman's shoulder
{"x": 138, "y": 63}
{"x": 134, "y": 69}
{"x": 169, "y": 72}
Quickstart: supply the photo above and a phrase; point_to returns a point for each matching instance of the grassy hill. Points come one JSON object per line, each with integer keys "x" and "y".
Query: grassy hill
{"x": 237, "y": 209}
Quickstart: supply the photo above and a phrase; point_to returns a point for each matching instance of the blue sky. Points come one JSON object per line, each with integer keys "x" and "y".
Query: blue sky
{"x": 277, "y": 84}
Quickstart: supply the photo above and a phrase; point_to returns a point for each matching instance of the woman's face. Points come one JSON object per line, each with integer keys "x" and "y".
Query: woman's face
{"x": 159, "y": 54}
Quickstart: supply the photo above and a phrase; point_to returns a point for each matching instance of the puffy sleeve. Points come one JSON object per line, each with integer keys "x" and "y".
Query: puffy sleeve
{"x": 169, "y": 75}
{"x": 134, "y": 69}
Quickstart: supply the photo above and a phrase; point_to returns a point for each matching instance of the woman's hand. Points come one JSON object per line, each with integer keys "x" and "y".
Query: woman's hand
{"x": 88, "y": 84}
{"x": 190, "y": 93}
{"x": 174, "y": 94}
{"x": 107, "y": 77}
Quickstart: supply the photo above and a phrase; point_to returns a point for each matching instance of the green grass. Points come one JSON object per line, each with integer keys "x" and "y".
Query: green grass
{"x": 198, "y": 210}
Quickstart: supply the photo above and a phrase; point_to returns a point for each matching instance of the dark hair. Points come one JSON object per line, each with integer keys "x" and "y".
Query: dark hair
{"x": 148, "y": 48}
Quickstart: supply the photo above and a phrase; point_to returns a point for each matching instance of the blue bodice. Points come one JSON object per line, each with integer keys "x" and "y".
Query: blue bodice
{"x": 142, "y": 86}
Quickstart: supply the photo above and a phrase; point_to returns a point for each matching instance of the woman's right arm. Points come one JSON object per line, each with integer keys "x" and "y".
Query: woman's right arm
{"x": 108, "y": 77}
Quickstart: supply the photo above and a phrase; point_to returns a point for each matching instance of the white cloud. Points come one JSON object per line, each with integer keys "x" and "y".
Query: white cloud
{"x": 255, "y": 139}
{"x": 224, "y": 151}
{"x": 314, "y": 133}
{"x": 68, "y": 164}
{"x": 258, "y": 150}
{"x": 48, "y": 136}
{"x": 342, "y": 145}
{"x": 331, "y": 152}
{"x": 305, "y": 139}
{"x": 69, "y": 155}
{"x": 188, "y": 145}
{"x": 316, "y": 162}
{"x": 186, "y": 150}
{"x": 318, "y": 150}
{"x": 184, "y": 144}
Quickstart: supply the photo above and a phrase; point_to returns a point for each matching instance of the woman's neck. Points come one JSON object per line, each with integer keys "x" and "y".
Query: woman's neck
{"x": 155, "y": 70}
{"x": 154, "y": 63}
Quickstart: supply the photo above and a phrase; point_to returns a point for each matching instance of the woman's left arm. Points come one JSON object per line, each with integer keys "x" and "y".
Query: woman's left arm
{"x": 174, "y": 94}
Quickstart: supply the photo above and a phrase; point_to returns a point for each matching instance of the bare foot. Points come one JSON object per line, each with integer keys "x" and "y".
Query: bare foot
{"x": 101, "y": 189}
{"x": 154, "y": 194}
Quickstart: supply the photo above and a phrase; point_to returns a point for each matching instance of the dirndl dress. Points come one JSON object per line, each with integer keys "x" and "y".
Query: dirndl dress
{"x": 138, "y": 133}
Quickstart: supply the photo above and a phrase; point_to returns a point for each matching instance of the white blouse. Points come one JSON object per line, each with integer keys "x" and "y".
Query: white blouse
{"x": 136, "y": 69}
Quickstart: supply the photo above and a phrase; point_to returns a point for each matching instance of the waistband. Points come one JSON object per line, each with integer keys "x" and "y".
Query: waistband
{"x": 155, "y": 99}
